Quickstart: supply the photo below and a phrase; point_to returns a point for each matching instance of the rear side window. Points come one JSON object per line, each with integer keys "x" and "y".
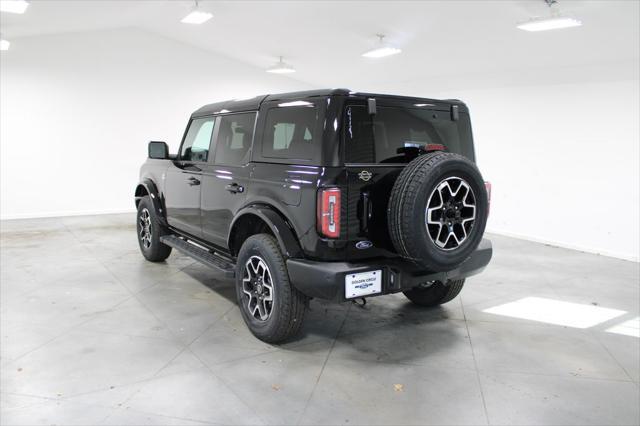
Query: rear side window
{"x": 234, "y": 138}
{"x": 396, "y": 134}
{"x": 290, "y": 132}
{"x": 196, "y": 143}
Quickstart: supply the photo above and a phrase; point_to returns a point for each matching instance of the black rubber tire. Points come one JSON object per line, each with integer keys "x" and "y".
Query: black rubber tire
{"x": 289, "y": 306}
{"x": 407, "y": 204}
{"x": 157, "y": 251}
{"x": 435, "y": 295}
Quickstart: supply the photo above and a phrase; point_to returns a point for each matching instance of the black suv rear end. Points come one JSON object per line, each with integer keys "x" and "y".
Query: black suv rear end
{"x": 379, "y": 135}
{"x": 331, "y": 194}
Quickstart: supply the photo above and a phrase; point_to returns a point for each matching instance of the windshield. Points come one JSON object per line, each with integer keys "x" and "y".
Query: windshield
{"x": 397, "y": 135}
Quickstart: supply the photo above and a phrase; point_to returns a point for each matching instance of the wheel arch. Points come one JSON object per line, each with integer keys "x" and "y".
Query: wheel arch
{"x": 148, "y": 187}
{"x": 257, "y": 218}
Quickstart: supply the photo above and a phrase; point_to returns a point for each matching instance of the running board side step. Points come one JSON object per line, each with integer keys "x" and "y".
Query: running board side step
{"x": 200, "y": 254}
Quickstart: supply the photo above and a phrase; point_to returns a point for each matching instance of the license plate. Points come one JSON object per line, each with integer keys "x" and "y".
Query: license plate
{"x": 362, "y": 284}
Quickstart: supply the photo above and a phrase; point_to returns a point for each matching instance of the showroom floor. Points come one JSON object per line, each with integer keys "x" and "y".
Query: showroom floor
{"x": 93, "y": 334}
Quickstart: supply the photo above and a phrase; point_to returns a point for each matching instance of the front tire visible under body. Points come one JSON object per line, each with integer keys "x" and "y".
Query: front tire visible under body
{"x": 149, "y": 232}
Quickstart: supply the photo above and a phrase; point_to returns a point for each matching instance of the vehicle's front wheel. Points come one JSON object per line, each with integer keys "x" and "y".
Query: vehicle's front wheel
{"x": 271, "y": 307}
{"x": 149, "y": 232}
{"x": 436, "y": 294}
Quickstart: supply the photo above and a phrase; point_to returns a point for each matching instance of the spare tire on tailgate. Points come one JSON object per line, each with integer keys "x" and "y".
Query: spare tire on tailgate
{"x": 438, "y": 210}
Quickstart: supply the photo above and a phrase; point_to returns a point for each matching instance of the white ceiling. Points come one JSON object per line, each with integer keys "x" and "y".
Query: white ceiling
{"x": 446, "y": 44}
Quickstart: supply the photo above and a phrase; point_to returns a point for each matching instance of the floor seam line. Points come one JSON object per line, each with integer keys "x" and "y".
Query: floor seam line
{"x": 475, "y": 363}
{"x": 615, "y": 359}
{"x": 324, "y": 364}
{"x": 168, "y": 328}
{"x": 226, "y": 385}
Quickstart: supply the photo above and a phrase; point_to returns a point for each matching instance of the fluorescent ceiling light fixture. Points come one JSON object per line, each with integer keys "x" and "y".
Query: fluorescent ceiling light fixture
{"x": 4, "y": 44}
{"x": 197, "y": 17}
{"x": 13, "y": 6}
{"x": 553, "y": 23}
{"x": 382, "y": 50}
{"x": 281, "y": 67}
{"x": 556, "y": 312}
{"x": 627, "y": 328}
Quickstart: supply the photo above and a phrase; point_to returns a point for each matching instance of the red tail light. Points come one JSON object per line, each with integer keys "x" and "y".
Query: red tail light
{"x": 329, "y": 212}
{"x": 430, "y": 147}
{"x": 487, "y": 186}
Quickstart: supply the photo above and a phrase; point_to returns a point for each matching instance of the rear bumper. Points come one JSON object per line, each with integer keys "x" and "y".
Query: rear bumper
{"x": 325, "y": 280}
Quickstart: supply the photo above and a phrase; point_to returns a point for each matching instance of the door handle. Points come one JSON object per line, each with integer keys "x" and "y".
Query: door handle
{"x": 365, "y": 213}
{"x": 234, "y": 188}
{"x": 193, "y": 181}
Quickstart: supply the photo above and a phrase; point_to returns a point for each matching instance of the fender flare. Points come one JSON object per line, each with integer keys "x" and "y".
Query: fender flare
{"x": 156, "y": 199}
{"x": 283, "y": 232}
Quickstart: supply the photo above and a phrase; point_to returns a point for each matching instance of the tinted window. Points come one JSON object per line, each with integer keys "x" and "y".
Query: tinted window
{"x": 196, "y": 143}
{"x": 234, "y": 138}
{"x": 289, "y": 132}
{"x": 395, "y": 135}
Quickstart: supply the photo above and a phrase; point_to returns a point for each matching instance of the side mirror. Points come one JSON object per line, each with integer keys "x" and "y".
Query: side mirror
{"x": 158, "y": 150}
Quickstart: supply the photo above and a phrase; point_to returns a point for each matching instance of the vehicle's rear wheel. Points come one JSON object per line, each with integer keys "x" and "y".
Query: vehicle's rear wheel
{"x": 436, "y": 294}
{"x": 149, "y": 232}
{"x": 271, "y": 307}
{"x": 437, "y": 211}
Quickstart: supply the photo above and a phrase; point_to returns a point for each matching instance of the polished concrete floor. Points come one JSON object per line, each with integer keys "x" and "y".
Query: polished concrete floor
{"x": 93, "y": 334}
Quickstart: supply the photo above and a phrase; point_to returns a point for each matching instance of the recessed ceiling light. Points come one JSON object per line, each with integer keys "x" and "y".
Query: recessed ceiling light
{"x": 382, "y": 50}
{"x": 13, "y": 6}
{"x": 281, "y": 67}
{"x": 196, "y": 16}
{"x": 4, "y": 44}
{"x": 552, "y": 22}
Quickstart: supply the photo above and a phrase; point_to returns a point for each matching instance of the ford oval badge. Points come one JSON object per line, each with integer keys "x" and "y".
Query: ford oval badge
{"x": 362, "y": 245}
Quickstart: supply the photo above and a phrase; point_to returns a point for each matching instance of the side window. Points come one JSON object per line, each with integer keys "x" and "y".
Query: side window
{"x": 234, "y": 138}
{"x": 289, "y": 132}
{"x": 196, "y": 143}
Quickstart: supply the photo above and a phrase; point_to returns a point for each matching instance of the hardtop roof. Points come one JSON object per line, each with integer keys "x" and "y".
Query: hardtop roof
{"x": 253, "y": 104}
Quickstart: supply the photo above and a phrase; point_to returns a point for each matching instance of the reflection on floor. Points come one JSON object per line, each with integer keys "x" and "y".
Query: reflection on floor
{"x": 93, "y": 334}
{"x": 556, "y": 312}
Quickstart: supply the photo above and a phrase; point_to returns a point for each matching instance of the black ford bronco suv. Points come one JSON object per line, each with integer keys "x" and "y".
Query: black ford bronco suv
{"x": 331, "y": 194}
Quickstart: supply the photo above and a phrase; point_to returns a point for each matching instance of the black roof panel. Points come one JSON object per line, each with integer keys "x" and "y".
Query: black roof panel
{"x": 253, "y": 104}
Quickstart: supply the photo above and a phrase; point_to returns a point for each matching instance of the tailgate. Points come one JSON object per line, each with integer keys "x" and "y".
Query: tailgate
{"x": 369, "y": 188}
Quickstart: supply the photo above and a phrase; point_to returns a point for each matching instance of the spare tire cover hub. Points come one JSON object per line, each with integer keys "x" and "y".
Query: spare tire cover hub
{"x": 450, "y": 213}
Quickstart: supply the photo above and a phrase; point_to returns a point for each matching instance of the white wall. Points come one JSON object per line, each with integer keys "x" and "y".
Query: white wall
{"x": 564, "y": 162}
{"x": 77, "y": 111}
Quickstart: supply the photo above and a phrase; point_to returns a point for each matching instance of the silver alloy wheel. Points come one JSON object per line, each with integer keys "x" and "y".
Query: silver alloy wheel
{"x": 450, "y": 213}
{"x": 145, "y": 228}
{"x": 258, "y": 288}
